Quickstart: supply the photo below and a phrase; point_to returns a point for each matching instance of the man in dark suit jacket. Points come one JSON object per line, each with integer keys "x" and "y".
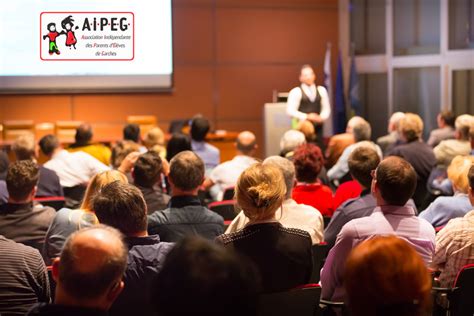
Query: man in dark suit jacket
{"x": 48, "y": 185}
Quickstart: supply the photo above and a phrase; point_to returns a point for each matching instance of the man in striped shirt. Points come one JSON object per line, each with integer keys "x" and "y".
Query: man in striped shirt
{"x": 455, "y": 243}
{"x": 23, "y": 278}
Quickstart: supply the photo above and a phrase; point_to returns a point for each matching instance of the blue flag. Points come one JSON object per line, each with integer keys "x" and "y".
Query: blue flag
{"x": 354, "y": 93}
{"x": 339, "y": 104}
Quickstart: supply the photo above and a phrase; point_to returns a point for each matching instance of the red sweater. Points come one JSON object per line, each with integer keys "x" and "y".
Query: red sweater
{"x": 316, "y": 195}
{"x": 347, "y": 190}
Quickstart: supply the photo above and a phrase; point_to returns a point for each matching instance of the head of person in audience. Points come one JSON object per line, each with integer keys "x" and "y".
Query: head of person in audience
{"x": 470, "y": 177}
{"x": 246, "y": 143}
{"x": 458, "y": 172}
{"x": 218, "y": 278}
{"x": 462, "y": 126}
{"x": 121, "y": 150}
{"x": 410, "y": 127}
{"x": 186, "y": 173}
{"x": 131, "y": 132}
{"x": 22, "y": 179}
{"x": 361, "y": 163}
{"x": 394, "y": 120}
{"x": 445, "y": 118}
{"x": 360, "y": 129}
{"x": 352, "y": 122}
{"x": 178, "y": 142}
{"x": 147, "y": 169}
{"x": 49, "y": 144}
{"x": 385, "y": 276}
{"x": 290, "y": 140}
{"x": 155, "y": 140}
{"x": 200, "y": 126}
{"x": 260, "y": 191}
{"x": 307, "y": 128}
{"x": 122, "y": 206}
{"x": 97, "y": 183}
{"x": 393, "y": 182}
{"x": 83, "y": 134}
{"x": 90, "y": 269}
{"x": 308, "y": 160}
{"x": 287, "y": 168}
{"x": 307, "y": 75}
{"x": 25, "y": 148}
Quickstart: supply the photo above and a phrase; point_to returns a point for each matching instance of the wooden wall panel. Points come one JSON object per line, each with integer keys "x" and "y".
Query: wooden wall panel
{"x": 40, "y": 108}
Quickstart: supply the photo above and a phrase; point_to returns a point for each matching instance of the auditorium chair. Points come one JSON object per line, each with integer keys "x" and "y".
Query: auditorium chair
{"x": 300, "y": 301}
{"x": 66, "y": 130}
{"x": 13, "y": 129}
{"x": 326, "y": 220}
{"x": 146, "y": 122}
{"x": 461, "y": 295}
{"x": 56, "y": 202}
{"x": 320, "y": 252}
{"x": 226, "y": 209}
{"x": 228, "y": 194}
{"x": 52, "y": 282}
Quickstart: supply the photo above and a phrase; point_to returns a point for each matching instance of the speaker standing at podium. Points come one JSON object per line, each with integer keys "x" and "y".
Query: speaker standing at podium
{"x": 309, "y": 102}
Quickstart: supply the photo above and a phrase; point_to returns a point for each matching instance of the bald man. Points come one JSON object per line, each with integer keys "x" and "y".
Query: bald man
{"x": 88, "y": 273}
{"x": 390, "y": 140}
{"x": 226, "y": 174}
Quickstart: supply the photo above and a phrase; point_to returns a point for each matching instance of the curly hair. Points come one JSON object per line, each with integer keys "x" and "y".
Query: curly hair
{"x": 308, "y": 160}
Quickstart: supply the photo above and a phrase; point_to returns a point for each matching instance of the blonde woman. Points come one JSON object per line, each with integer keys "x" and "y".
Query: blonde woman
{"x": 155, "y": 141}
{"x": 445, "y": 208}
{"x": 283, "y": 255}
{"x": 68, "y": 221}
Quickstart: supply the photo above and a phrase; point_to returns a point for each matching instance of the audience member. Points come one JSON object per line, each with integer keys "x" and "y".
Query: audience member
{"x": 455, "y": 243}
{"x": 155, "y": 141}
{"x": 417, "y": 153}
{"x": 121, "y": 150}
{"x": 20, "y": 219}
{"x": 4, "y": 162}
{"x": 393, "y": 184}
{"x": 147, "y": 176}
{"x": 89, "y": 273}
{"x": 211, "y": 279}
{"x": 226, "y": 174}
{"x": 390, "y": 140}
{"x": 290, "y": 214}
{"x": 445, "y": 208}
{"x": 445, "y": 129}
{"x": 450, "y": 148}
{"x": 307, "y": 128}
{"x": 385, "y": 276}
{"x": 122, "y": 206}
{"x": 308, "y": 160}
{"x": 23, "y": 278}
{"x": 185, "y": 215}
{"x": 84, "y": 143}
{"x": 67, "y": 221}
{"x": 290, "y": 141}
{"x": 208, "y": 153}
{"x": 362, "y": 132}
{"x": 361, "y": 163}
{"x": 74, "y": 170}
{"x": 338, "y": 143}
{"x": 24, "y": 148}
{"x": 177, "y": 143}
{"x": 348, "y": 190}
{"x": 282, "y": 255}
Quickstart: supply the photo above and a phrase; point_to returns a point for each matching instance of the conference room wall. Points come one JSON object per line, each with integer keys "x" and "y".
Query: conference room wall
{"x": 229, "y": 57}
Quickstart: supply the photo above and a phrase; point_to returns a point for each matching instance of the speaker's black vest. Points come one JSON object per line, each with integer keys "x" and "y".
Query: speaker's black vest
{"x": 306, "y": 106}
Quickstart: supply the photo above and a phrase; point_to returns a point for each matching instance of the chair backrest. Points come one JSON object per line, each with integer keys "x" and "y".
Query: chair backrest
{"x": 226, "y": 209}
{"x": 302, "y": 301}
{"x": 52, "y": 283}
{"x": 462, "y": 298}
{"x": 228, "y": 193}
{"x": 56, "y": 202}
{"x": 320, "y": 252}
{"x": 14, "y": 129}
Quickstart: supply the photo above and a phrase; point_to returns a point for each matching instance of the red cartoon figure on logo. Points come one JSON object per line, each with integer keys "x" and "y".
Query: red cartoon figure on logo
{"x": 68, "y": 24}
{"x": 52, "y": 35}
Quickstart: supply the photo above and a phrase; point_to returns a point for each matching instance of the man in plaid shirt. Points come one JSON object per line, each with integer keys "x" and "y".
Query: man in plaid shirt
{"x": 455, "y": 243}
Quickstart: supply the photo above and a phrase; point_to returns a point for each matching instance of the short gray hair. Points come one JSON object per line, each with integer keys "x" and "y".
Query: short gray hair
{"x": 291, "y": 139}
{"x": 288, "y": 170}
{"x": 362, "y": 130}
{"x": 463, "y": 124}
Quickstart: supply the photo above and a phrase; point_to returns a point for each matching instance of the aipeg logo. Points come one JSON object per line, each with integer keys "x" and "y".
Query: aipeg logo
{"x": 87, "y": 36}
